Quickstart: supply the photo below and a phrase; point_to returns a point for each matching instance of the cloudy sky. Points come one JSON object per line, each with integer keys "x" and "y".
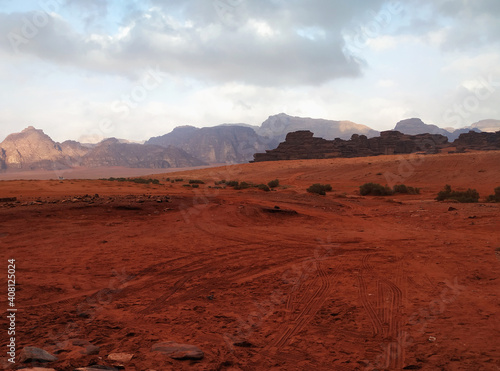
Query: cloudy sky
{"x": 87, "y": 69}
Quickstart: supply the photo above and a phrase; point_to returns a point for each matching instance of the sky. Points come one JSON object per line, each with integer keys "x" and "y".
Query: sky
{"x": 91, "y": 69}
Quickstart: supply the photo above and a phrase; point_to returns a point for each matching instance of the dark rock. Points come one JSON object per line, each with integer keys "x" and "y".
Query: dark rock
{"x": 451, "y": 208}
{"x": 478, "y": 141}
{"x": 244, "y": 344}
{"x": 303, "y": 145}
{"x": 278, "y": 210}
{"x": 33, "y": 354}
{"x": 179, "y": 351}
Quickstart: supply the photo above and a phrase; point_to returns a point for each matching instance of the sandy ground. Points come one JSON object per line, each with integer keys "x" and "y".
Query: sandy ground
{"x": 346, "y": 283}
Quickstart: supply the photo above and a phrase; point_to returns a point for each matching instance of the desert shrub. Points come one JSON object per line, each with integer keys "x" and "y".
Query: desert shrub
{"x": 374, "y": 189}
{"x": 495, "y": 197}
{"x": 195, "y": 185}
{"x": 220, "y": 182}
{"x": 139, "y": 180}
{"x": 470, "y": 195}
{"x": 401, "y": 188}
{"x": 155, "y": 181}
{"x": 273, "y": 183}
{"x": 121, "y": 179}
{"x": 196, "y": 181}
{"x": 187, "y": 185}
{"x": 179, "y": 180}
{"x": 232, "y": 183}
{"x": 263, "y": 187}
{"x": 243, "y": 185}
{"x": 320, "y": 189}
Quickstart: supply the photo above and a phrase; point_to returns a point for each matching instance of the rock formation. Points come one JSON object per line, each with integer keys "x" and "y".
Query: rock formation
{"x": 111, "y": 152}
{"x": 33, "y": 149}
{"x": 478, "y": 141}
{"x": 219, "y": 144}
{"x": 416, "y": 126}
{"x": 278, "y": 126}
{"x": 303, "y": 145}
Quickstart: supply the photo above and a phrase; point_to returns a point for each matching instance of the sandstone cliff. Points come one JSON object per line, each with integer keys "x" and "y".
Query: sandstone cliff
{"x": 303, "y": 145}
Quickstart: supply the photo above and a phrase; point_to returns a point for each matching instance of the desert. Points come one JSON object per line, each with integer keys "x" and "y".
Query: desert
{"x": 110, "y": 273}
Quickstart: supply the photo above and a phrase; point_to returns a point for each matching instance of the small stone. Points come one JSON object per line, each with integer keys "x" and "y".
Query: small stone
{"x": 91, "y": 350}
{"x": 120, "y": 357}
{"x": 33, "y": 354}
{"x": 179, "y": 351}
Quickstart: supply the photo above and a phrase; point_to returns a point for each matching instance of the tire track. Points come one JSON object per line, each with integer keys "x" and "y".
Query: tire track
{"x": 372, "y": 315}
{"x": 312, "y": 303}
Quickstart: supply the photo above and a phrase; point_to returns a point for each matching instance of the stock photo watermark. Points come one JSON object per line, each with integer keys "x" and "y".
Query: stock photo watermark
{"x": 32, "y": 24}
{"x": 227, "y": 11}
{"x": 483, "y": 89}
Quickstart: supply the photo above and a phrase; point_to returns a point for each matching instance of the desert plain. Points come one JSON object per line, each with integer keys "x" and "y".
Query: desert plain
{"x": 279, "y": 280}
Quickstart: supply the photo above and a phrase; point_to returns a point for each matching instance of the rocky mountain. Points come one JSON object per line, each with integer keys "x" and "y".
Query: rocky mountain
{"x": 303, "y": 145}
{"x": 219, "y": 144}
{"x": 33, "y": 149}
{"x": 30, "y": 149}
{"x": 278, "y": 126}
{"x": 487, "y": 125}
{"x": 112, "y": 152}
{"x": 415, "y": 126}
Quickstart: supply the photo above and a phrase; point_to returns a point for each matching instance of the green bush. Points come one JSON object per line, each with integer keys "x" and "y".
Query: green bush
{"x": 374, "y": 189}
{"x": 263, "y": 187}
{"x": 232, "y": 183}
{"x": 196, "y": 181}
{"x": 243, "y": 185}
{"x": 179, "y": 180}
{"x": 320, "y": 189}
{"x": 273, "y": 183}
{"x": 470, "y": 195}
{"x": 495, "y": 197}
{"x": 401, "y": 188}
{"x": 195, "y": 185}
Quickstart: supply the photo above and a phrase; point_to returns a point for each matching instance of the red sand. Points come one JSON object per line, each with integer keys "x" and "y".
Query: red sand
{"x": 349, "y": 283}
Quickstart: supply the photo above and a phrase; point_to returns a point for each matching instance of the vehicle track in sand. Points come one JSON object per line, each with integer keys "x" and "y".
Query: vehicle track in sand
{"x": 384, "y": 310}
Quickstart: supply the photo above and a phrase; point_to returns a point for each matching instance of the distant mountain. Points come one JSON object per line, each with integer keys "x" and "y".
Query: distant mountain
{"x": 278, "y": 126}
{"x": 112, "y": 152}
{"x": 416, "y": 126}
{"x": 33, "y": 149}
{"x": 218, "y": 144}
{"x": 30, "y": 149}
{"x": 487, "y": 125}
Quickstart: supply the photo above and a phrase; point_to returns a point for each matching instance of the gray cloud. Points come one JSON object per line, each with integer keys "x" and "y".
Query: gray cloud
{"x": 257, "y": 42}
{"x": 466, "y": 25}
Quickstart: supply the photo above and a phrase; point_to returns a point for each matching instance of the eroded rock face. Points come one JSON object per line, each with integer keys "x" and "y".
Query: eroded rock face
{"x": 478, "y": 141}
{"x": 303, "y": 145}
{"x": 29, "y": 149}
{"x": 33, "y": 149}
